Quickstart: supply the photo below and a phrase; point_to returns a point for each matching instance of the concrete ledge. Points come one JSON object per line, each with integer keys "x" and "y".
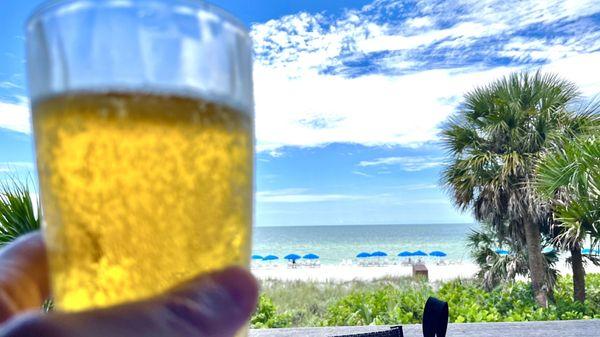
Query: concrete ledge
{"x": 583, "y": 328}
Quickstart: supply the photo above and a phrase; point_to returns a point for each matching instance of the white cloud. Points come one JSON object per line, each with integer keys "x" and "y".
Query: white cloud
{"x": 417, "y": 187}
{"x": 410, "y": 164}
{"x": 459, "y": 35}
{"x": 275, "y": 153}
{"x": 370, "y": 110}
{"x": 581, "y": 70}
{"x": 552, "y": 49}
{"x": 9, "y": 85}
{"x": 513, "y": 14}
{"x": 15, "y": 116}
{"x": 300, "y": 104}
{"x": 300, "y": 196}
{"x": 15, "y": 166}
{"x": 419, "y": 22}
{"x": 359, "y": 173}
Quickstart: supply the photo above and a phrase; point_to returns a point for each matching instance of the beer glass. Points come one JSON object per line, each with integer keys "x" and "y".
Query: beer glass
{"x": 143, "y": 124}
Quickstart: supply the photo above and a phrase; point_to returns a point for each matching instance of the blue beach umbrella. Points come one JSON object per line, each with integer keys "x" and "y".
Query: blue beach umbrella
{"x": 292, "y": 257}
{"x": 548, "y": 250}
{"x": 311, "y": 256}
{"x": 379, "y": 254}
{"x": 419, "y": 253}
{"x": 257, "y": 257}
{"x": 363, "y": 255}
{"x": 270, "y": 258}
{"x": 405, "y": 254}
{"x": 437, "y": 253}
{"x": 502, "y": 252}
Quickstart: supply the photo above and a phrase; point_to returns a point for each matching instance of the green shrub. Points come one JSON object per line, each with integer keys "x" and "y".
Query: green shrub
{"x": 386, "y": 305}
{"x": 468, "y": 302}
{"x": 401, "y": 301}
{"x": 266, "y": 315}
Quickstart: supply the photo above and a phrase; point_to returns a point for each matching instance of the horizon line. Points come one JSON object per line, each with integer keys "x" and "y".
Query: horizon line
{"x": 373, "y": 224}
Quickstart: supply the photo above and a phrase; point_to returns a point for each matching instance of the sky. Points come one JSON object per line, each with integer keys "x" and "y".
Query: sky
{"x": 350, "y": 95}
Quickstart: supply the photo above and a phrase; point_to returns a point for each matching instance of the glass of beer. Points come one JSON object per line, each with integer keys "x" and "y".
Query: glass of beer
{"x": 143, "y": 123}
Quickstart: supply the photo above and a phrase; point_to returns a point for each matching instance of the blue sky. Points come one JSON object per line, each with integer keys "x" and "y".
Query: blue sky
{"x": 350, "y": 95}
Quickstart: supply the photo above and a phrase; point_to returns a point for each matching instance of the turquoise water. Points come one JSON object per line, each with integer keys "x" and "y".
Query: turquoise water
{"x": 337, "y": 243}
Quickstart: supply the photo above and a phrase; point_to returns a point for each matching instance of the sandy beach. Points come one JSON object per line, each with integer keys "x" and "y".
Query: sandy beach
{"x": 340, "y": 273}
{"x": 353, "y": 272}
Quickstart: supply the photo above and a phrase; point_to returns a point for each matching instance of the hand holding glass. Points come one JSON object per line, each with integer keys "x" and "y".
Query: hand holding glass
{"x": 143, "y": 122}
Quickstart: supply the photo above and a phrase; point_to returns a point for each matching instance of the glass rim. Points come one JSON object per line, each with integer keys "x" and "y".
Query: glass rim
{"x": 50, "y": 6}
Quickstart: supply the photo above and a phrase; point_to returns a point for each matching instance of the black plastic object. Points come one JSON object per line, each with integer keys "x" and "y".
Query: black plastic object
{"x": 435, "y": 318}
{"x": 395, "y": 331}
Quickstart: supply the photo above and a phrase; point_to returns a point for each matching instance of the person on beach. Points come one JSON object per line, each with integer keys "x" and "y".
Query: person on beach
{"x": 214, "y": 305}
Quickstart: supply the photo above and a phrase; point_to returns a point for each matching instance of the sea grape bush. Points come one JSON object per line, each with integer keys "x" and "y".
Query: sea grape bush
{"x": 468, "y": 302}
{"x": 267, "y": 317}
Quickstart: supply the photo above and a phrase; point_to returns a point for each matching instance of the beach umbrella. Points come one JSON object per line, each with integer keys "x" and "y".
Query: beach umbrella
{"x": 547, "y": 250}
{"x": 379, "y": 254}
{"x": 419, "y": 253}
{"x": 437, "y": 253}
{"x": 502, "y": 252}
{"x": 292, "y": 257}
{"x": 405, "y": 254}
{"x": 311, "y": 256}
{"x": 363, "y": 255}
{"x": 270, "y": 258}
{"x": 257, "y": 257}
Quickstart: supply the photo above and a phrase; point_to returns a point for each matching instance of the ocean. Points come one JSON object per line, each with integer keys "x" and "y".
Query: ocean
{"x": 334, "y": 244}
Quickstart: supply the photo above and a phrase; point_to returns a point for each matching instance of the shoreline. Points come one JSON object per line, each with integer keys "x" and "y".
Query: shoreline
{"x": 345, "y": 273}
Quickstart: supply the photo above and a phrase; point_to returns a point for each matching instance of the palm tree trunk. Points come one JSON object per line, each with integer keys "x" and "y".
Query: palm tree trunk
{"x": 578, "y": 273}
{"x": 536, "y": 263}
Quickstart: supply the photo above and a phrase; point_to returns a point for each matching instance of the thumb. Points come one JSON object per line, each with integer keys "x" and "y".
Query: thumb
{"x": 214, "y": 305}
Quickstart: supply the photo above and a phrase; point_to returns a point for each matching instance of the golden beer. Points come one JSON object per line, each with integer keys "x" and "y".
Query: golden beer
{"x": 141, "y": 191}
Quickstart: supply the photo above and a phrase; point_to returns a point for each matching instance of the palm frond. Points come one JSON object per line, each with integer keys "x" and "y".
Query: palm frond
{"x": 19, "y": 213}
{"x": 570, "y": 177}
{"x": 494, "y": 268}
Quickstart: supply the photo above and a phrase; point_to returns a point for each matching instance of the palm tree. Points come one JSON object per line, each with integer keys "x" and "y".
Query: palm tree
{"x": 19, "y": 214}
{"x": 570, "y": 177}
{"x": 494, "y": 142}
{"x": 496, "y": 268}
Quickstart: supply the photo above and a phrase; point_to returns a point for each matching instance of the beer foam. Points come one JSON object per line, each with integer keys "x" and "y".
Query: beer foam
{"x": 187, "y": 92}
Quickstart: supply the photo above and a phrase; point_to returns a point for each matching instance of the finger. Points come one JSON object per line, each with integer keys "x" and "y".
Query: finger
{"x": 23, "y": 275}
{"x": 216, "y": 305}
